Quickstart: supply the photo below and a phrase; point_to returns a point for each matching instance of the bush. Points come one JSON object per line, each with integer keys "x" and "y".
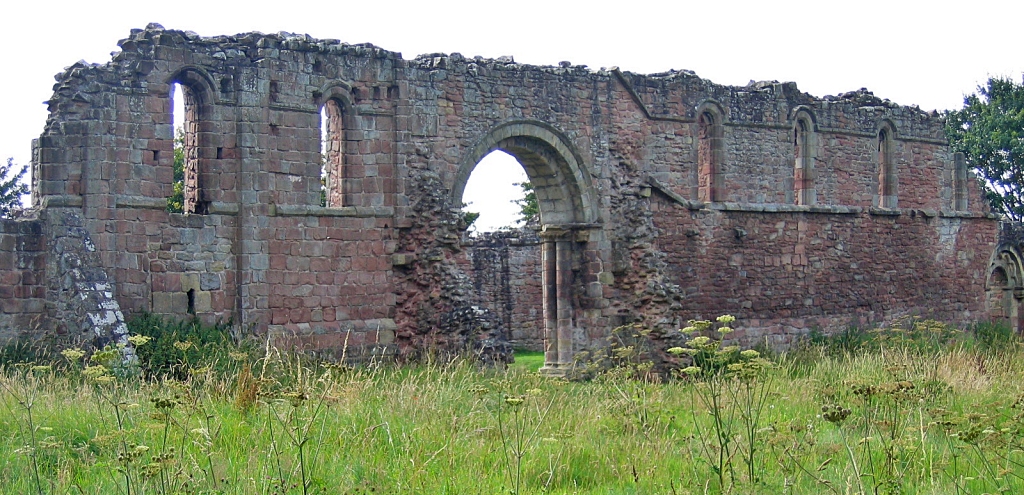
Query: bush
{"x": 178, "y": 345}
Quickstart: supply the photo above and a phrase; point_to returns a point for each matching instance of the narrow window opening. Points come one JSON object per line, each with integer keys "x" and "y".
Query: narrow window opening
{"x": 176, "y": 201}
{"x": 191, "y": 302}
{"x": 376, "y": 92}
{"x": 332, "y": 154}
{"x": 886, "y": 171}
{"x": 225, "y": 85}
{"x": 220, "y": 153}
{"x": 156, "y": 156}
{"x": 707, "y": 161}
{"x": 803, "y": 182}
{"x": 187, "y": 131}
{"x": 273, "y": 90}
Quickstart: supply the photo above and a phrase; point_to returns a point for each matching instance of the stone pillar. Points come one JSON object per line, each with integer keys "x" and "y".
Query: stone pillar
{"x": 959, "y": 182}
{"x": 563, "y": 289}
{"x": 549, "y": 274}
{"x": 558, "y": 311}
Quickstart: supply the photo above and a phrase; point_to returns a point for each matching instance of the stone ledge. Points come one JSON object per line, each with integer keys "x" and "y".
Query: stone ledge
{"x": 885, "y": 212}
{"x": 143, "y": 202}
{"x": 784, "y": 208}
{"x": 62, "y": 201}
{"x": 221, "y": 208}
{"x": 967, "y": 214}
{"x": 326, "y": 211}
{"x": 148, "y": 203}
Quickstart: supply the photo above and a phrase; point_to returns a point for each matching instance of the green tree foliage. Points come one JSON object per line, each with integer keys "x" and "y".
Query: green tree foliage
{"x": 176, "y": 203}
{"x": 11, "y": 187}
{"x": 529, "y": 209}
{"x": 989, "y": 131}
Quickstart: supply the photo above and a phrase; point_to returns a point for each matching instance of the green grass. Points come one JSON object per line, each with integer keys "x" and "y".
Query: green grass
{"x": 528, "y": 360}
{"x": 448, "y": 428}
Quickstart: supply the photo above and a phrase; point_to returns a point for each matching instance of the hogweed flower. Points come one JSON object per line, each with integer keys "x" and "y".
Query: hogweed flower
{"x": 514, "y": 401}
{"x": 96, "y": 371}
{"x": 750, "y": 354}
{"x": 676, "y": 351}
{"x": 726, "y": 319}
{"x": 73, "y": 354}
{"x": 139, "y": 340}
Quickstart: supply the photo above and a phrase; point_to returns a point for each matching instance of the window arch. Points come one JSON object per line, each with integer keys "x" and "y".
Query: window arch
{"x": 886, "y": 169}
{"x": 194, "y": 88}
{"x": 710, "y": 180}
{"x": 338, "y": 187}
{"x": 804, "y": 151}
{"x": 332, "y": 149}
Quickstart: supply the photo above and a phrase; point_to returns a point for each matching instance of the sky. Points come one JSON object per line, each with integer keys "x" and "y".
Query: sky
{"x": 924, "y": 53}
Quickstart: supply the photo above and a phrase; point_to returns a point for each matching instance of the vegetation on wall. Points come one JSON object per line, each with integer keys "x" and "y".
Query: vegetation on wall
{"x": 989, "y": 131}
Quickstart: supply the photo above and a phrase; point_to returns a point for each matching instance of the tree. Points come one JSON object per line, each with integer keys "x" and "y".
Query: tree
{"x": 11, "y": 188}
{"x": 528, "y": 207}
{"x": 989, "y": 131}
{"x": 176, "y": 202}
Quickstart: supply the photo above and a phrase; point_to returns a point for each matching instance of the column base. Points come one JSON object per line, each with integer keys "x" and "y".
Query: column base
{"x": 555, "y": 370}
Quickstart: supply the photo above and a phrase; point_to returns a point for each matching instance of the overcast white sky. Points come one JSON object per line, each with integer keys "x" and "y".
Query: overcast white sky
{"x": 925, "y": 53}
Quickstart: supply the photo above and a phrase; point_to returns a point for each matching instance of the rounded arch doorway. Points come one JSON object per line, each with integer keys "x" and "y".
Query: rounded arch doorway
{"x": 567, "y": 209}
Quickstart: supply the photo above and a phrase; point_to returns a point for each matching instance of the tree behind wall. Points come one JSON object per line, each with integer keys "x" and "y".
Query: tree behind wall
{"x": 989, "y": 131}
{"x": 11, "y": 187}
{"x": 176, "y": 203}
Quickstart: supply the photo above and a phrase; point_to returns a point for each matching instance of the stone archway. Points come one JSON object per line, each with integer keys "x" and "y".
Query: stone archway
{"x": 1004, "y": 288}
{"x": 568, "y": 205}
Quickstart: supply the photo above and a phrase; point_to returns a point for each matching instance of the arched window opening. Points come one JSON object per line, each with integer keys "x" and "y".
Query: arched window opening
{"x": 498, "y": 194}
{"x": 187, "y": 191}
{"x": 999, "y": 298}
{"x": 803, "y": 174}
{"x": 709, "y": 177}
{"x": 332, "y": 154}
{"x": 886, "y": 171}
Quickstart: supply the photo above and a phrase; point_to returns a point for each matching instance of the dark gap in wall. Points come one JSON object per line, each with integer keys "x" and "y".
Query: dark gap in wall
{"x": 191, "y": 302}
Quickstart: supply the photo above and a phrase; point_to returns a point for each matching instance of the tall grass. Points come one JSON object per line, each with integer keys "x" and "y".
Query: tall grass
{"x": 921, "y": 420}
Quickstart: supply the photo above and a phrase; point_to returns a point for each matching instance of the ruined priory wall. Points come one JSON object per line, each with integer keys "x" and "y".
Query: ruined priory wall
{"x": 505, "y": 269}
{"x": 259, "y": 250}
{"x": 616, "y": 159}
{"x": 783, "y": 273}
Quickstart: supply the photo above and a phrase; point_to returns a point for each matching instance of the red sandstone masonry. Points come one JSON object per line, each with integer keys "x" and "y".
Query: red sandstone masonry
{"x": 614, "y": 157}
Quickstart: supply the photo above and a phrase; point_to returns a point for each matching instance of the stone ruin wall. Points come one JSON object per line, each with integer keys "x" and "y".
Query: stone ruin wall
{"x": 663, "y": 197}
{"x": 505, "y": 269}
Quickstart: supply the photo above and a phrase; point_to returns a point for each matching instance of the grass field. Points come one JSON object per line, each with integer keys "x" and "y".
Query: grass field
{"x": 528, "y": 360}
{"x": 890, "y": 418}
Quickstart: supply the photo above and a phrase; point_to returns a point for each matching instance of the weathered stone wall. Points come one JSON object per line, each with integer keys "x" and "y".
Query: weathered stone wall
{"x": 505, "y": 268}
{"x": 662, "y": 196}
{"x": 23, "y": 257}
{"x": 786, "y": 272}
